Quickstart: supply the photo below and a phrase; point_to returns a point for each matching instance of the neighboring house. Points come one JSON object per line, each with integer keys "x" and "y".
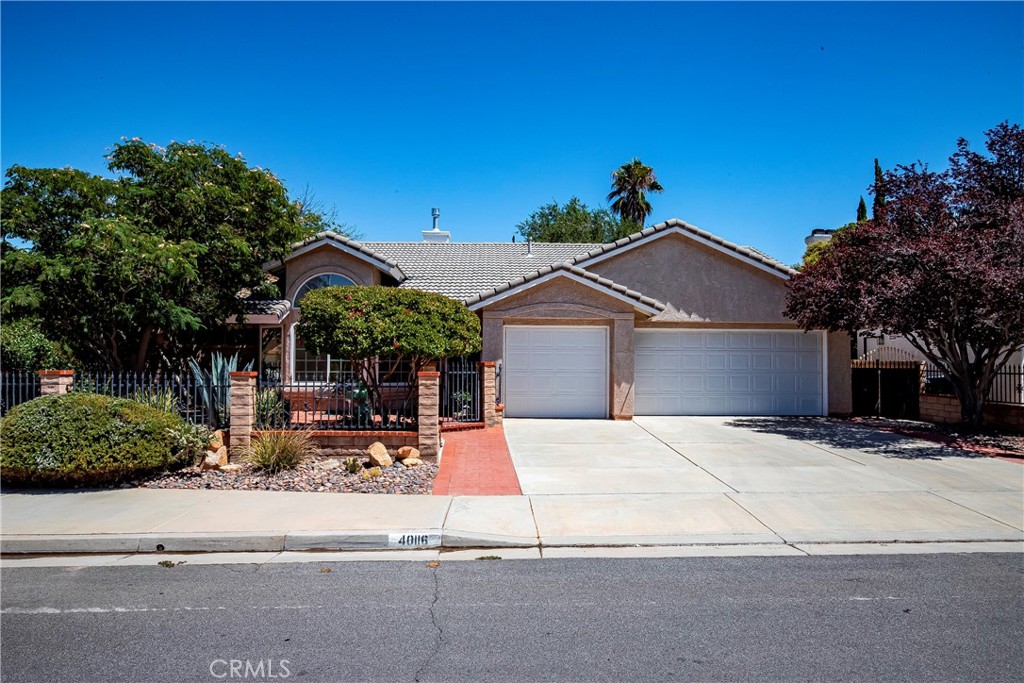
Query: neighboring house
{"x": 668, "y": 321}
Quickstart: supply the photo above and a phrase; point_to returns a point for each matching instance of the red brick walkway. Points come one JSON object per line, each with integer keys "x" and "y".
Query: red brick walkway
{"x": 476, "y": 463}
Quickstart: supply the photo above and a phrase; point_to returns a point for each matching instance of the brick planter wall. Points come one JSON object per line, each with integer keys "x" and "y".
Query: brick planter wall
{"x": 945, "y": 409}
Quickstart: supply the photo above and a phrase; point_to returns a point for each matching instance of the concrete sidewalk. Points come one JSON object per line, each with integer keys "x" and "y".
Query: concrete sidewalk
{"x": 154, "y": 520}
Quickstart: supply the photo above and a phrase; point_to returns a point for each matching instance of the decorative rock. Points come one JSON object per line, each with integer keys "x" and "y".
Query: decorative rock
{"x": 378, "y": 453}
{"x": 232, "y": 468}
{"x": 222, "y": 456}
{"x": 329, "y": 464}
{"x": 210, "y": 462}
{"x": 216, "y": 440}
{"x": 408, "y": 452}
{"x": 412, "y": 462}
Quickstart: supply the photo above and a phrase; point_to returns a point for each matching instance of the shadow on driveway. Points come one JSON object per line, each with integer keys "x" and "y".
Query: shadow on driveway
{"x": 832, "y": 433}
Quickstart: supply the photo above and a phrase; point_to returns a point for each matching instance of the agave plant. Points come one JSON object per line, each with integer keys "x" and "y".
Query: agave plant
{"x": 215, "y": 386}
{"x": 273, "y": 410}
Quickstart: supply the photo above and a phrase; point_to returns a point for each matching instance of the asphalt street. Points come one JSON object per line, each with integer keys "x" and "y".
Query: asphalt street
{"x": 944, "y": 617}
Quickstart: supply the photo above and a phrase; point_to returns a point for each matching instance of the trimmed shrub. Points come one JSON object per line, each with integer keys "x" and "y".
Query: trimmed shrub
{"x": 274, "y": 452}
{"x": 79, "y": 438}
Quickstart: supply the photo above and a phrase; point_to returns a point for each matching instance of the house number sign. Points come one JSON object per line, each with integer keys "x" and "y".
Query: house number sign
{"x": 414, "y": 540}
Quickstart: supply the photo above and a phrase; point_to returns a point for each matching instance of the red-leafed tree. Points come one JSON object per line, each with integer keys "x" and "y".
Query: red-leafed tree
{"x": 942, "y": 264}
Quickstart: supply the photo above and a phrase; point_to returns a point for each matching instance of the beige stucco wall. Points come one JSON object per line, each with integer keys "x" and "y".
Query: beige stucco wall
{"x": 840, "y": 378}
{"x": 327, "y": 259}
{"x": 561, "y": 301}
{"x": 698, "y": 283}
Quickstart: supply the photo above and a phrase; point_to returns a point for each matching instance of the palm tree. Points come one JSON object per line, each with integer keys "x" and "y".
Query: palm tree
{"x": 630, "y": 185}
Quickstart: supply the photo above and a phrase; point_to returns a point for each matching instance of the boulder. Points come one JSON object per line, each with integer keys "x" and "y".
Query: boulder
{"x": 216, "y": 440}
{"x": 231, "y": 468}
{"x": 210, "y": 462}
{"x": 331, "y": 464}
{"x": 222, "y": 455}
{"x": 408, "y": 452}
{"x": 412, "y": 462}
{"x": 378, "y": 454}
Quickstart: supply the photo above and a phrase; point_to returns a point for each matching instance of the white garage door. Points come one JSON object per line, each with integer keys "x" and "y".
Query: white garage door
{"x": 555, "y": 371}
{"x": 702, "y": 372}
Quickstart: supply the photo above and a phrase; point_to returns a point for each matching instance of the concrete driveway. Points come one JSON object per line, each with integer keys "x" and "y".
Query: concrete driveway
{"x": 714, "y": 479}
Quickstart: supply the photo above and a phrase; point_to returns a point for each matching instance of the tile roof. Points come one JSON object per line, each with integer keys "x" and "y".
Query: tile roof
{"x": 461, "y": 270}
{"x": 575, "y": 270}
{"x": 279, "y": 307}
{"x": 472, "y": 271}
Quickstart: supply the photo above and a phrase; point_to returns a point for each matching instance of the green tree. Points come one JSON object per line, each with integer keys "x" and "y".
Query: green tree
{"x": 878, "y": 189}
{"x": 942, "y": 265}
{"x": 630, "y": 185}
{"x": 574, "y": 222}
{"x": 862, "y": 210}
{"x": 377, "y": 328}
{"x": 127, "y": 271}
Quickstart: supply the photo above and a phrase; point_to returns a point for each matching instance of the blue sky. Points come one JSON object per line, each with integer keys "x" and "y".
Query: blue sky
{"x": 761, "y": 120}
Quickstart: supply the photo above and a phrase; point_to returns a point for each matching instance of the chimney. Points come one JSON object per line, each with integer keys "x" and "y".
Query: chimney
{"x": 436, "y": 235}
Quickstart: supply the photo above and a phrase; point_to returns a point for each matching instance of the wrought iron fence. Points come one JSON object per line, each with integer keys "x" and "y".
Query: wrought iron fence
{"x": 17, "y": 386}
{"x": 1007, "y": 387}
{"x": 460, "y": 390}
{"x": 341, "y": 405}
{"x": 176, "y": 393}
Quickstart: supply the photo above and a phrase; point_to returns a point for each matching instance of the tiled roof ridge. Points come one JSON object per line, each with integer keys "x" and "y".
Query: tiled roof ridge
{"x": 575, "y": 270}
{"x": 749, "y": 253}
{"x": 330, "y": 235}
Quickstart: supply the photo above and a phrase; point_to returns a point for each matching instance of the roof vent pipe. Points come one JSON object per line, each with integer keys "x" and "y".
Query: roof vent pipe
{"x": 437, "y": 234}
{"x": 529, "y": 247}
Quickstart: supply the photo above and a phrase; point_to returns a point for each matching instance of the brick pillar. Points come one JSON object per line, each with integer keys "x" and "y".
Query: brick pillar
{"x": 488, "y": 409}
{"x": 429, "y": 389}
{"x": 241, "y": 412}
{"x": 55, "y": 382}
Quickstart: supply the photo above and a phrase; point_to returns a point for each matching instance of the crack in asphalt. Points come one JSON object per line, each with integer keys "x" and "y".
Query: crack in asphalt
{"x": 440, "y": 632}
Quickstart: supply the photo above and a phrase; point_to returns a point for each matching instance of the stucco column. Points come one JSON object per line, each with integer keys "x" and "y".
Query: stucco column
{"x": 622, "y": 364}
{"x": 493, "y": 335}
{"x": 241, "y": 413}
{"x": 428, "y": 392}
{"x": 488, "y": 407}
{"x": 55, "y": 382}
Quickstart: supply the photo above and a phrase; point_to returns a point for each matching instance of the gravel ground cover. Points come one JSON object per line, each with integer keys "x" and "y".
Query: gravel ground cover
{"x": 311, "y": 475}
{"x": 985, "y": 441}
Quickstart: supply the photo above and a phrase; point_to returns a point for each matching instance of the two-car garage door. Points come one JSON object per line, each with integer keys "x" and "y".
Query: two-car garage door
{"x": 552, "y": 371}
{"x": 711, "y": 372}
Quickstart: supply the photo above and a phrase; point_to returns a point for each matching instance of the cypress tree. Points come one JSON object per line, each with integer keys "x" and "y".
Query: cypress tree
{"x": 862, "y": 211}
{"x": 879, "y": 202}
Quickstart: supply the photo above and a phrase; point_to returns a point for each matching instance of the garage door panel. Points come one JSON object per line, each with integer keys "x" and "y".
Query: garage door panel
{"x": 739, "y": 361}
{"x": 557, "y": 372}
{"x": 728, "y": 373}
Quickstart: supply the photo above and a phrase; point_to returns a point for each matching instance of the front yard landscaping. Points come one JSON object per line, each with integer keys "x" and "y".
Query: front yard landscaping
{"x": 316, "y": 474}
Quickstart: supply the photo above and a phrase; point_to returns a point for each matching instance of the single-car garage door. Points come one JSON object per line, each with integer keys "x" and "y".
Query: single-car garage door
{"x": 705, "y": 372}
{"x": 555, "y": 371}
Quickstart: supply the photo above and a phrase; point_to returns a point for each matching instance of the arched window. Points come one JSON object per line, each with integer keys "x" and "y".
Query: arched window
{"x": 307, "y": 367}
{"x": 318, "y": 281}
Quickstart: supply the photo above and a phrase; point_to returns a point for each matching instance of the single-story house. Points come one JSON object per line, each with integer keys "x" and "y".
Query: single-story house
{"x": 668, "y": 321}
